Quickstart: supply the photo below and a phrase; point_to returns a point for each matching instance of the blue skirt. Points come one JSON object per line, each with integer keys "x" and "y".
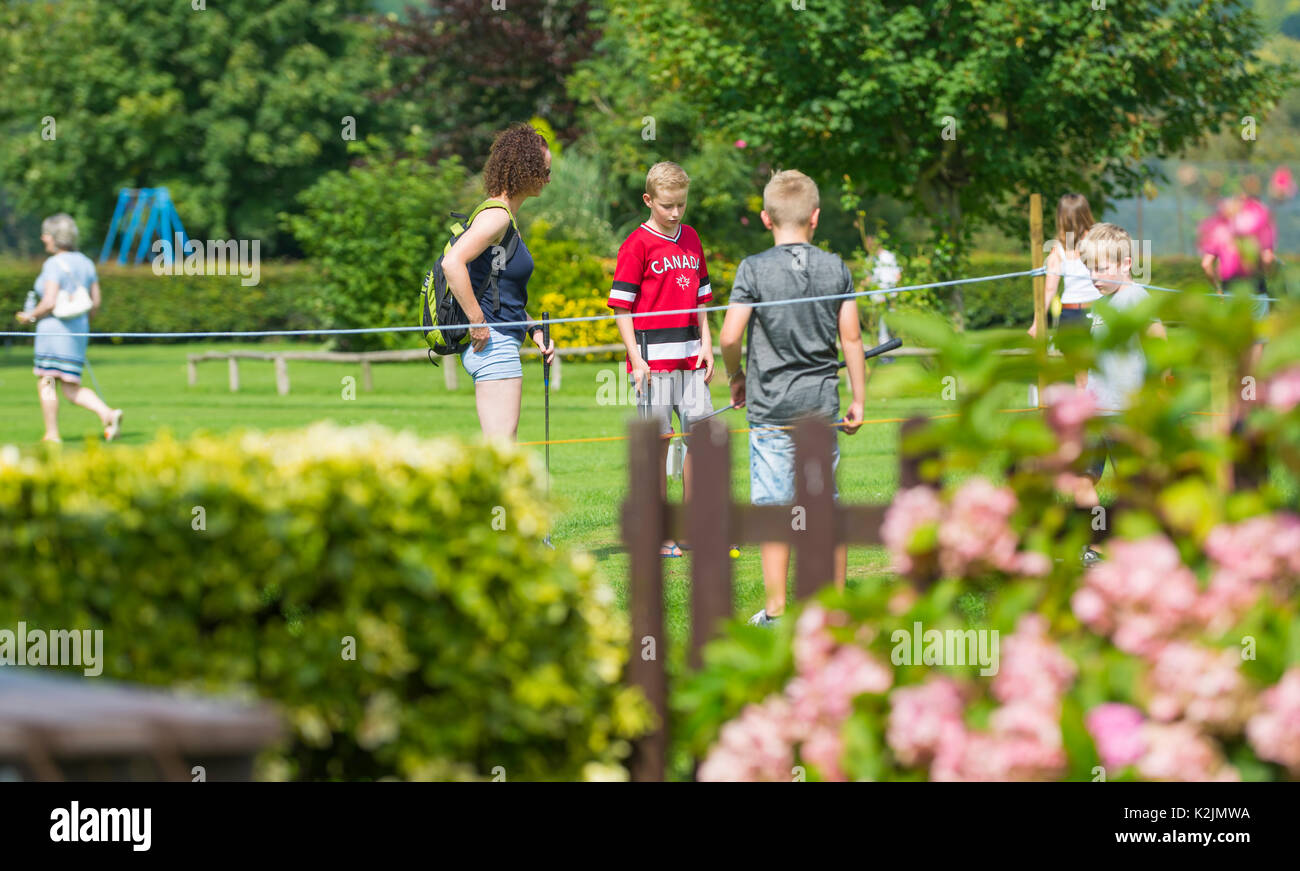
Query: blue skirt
{"x": 58, "y": 353}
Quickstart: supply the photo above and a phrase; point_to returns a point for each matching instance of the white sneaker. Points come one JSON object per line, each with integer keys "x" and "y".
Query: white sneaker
{"x": 114, "y": 428}
{"x": 761, "y": 619}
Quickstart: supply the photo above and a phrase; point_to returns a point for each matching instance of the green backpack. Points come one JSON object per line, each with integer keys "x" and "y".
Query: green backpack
{"x": 445, "y": 323}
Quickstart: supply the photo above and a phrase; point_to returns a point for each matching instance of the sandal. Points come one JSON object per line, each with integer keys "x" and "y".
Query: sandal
{"x": 114, "y": 428}
{"x": 670, "y": 551}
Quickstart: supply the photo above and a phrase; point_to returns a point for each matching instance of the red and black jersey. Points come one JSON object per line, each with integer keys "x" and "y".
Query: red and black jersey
{"x": 658, "y": 273}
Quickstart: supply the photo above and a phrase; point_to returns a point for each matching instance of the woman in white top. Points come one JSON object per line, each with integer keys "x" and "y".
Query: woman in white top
{"x": 1073, "y": 220}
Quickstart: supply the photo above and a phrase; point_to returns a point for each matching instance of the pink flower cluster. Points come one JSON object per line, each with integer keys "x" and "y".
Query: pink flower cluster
{"x": 910, "y": 511}
{"x": 1068, "y": 409}
{"x": 1143, "y": 595}
{"x": 974, "y": 532}
{"x": 1283, "y": 389}
{"x": 1024, "y": 738}
{"x": 1180, "y": 752}
{"x": 1274, "y": 731}
{"x": 810, "y": 714}
{"x": 1248, "y": 557}
{"x": 1161, "y": 751}
{"x": 1140, "y": 596}
{"x": 1199, "y": 684}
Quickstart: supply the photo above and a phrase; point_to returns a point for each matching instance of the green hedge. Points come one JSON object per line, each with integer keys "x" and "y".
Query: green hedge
{"x": 135, "y": 300}
{"x": 476, "y": 645}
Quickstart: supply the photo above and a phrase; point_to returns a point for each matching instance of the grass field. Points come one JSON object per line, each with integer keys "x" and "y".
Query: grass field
{"x": 589, "y": 481}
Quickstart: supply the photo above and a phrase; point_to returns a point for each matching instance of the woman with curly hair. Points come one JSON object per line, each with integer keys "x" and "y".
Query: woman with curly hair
{"x": 518, "y": 167}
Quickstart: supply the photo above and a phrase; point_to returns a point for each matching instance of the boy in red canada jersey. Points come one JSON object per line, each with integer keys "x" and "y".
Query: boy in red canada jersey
{"x": 661, "y": 269}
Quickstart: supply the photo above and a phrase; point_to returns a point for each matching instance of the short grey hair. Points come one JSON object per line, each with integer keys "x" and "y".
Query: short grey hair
{"x": 62, "y": 229}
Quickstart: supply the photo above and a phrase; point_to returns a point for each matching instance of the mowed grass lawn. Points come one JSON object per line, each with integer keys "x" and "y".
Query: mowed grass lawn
{"x": 589, "y": 481}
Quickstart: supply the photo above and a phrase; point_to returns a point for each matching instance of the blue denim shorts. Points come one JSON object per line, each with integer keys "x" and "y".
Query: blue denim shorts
{"x": 771, "y": 466}
{"x": 498, "y": 360}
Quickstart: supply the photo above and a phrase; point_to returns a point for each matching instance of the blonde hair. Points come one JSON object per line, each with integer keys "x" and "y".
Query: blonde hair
{"x": 666, "y": 176}
{"x": 1105, "y": 244}
{"x": 1073, "y": 220}
{"x": 790, "y": 199}
{"x": 63, "y": 230}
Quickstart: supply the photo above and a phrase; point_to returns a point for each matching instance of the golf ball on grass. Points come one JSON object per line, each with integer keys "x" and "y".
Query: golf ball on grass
{"x": 735, "y": 552}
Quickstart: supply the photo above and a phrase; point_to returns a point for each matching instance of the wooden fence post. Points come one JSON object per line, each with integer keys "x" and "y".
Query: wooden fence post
{"x": 643, "y": 530}
{"x": 813, "y": 516}
{"x": 708, "y": 513}
{"x": 281, "y": 376}
{"x": 909, "y": 463}
{"x": 232, "y": 366}
{"x": 367, "y": 380}
{"x": 192, "y": 371}
{"x": 1040, "y": 281}
{"x": 449, "y": 372}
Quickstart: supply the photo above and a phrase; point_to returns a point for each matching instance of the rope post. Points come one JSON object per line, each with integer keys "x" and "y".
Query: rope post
{"x": 1040, "y": 281}
{"x": 709, "y": 508}
{"x": 644, "y": 530}
{"x": 449, "y": 372}
{"x": 281, "y": 376}
{"x": 556, "y": 372}
{"x": 232, "y": 366}
{"x": 192, "y": 370}
{"x": 367, "y": 379}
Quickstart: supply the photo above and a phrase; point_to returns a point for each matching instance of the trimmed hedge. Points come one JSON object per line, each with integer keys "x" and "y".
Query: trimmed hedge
{"x": 136, "y": 301}
{"x": 475, "y": 645}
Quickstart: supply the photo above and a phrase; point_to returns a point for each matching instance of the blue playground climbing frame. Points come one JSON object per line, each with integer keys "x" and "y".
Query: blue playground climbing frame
{"x": 153, "y": 208}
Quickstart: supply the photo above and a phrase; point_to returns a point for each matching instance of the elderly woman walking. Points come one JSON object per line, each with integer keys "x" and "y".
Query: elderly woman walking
{"x": 65, "y": 296}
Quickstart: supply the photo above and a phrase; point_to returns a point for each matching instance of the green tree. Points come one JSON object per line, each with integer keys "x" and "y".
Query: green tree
{"x": 235, "y": 107}
{"x": 958, "y": 108}
{"x": 373, "y": 230}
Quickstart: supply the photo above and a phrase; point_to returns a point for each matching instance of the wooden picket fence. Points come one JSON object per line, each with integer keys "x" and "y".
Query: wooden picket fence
{"x": 712, "y": 523}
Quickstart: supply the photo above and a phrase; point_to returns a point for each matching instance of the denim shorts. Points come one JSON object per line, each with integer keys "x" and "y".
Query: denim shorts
{"x": 771, "y": 466}
{"x": 498, "y": 360}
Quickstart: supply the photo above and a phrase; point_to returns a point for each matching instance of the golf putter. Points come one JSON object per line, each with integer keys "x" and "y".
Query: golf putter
{"x": 878, "y": 350}
{"x": 546, "y": 388}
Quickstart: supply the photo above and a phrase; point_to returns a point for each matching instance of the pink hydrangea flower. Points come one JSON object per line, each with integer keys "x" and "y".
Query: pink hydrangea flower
{"x": 1179, "y": 752}
{"x": 1283, "y": 390}
{"x": 1024, "y": 743}
{"x": 1141, "y": 596}
{"x": 923, "y": 718}
{"x": 1032, "y": 669}
{"x": 910, "y": 510}
{"x": 1117, "y": 731}
{"x": 1249, "y": 557}
{"x": 1199, "y": 684}
{"x": 756, "y": 746}
{"x": 1274, "y": 732}
{"x": 826, "y": 695}
{"x": 977, "y": 529}
{"x": 1068, "y": 409}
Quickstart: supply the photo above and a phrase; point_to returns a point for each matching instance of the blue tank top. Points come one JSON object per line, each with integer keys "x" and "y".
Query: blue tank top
{"x": 513, "y": 286}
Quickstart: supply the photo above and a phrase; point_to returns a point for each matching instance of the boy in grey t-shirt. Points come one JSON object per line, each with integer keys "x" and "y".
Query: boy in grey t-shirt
{"x": 792, "y": 358}
{"x": 1107, "y": 252}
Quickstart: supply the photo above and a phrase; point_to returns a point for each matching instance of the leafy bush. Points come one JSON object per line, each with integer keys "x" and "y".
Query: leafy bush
{"x": 1175, "y": 658}
{"x": 137, "y": 301}
{"x": 373, "y": 232}
{"x": 251, "y": 560}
